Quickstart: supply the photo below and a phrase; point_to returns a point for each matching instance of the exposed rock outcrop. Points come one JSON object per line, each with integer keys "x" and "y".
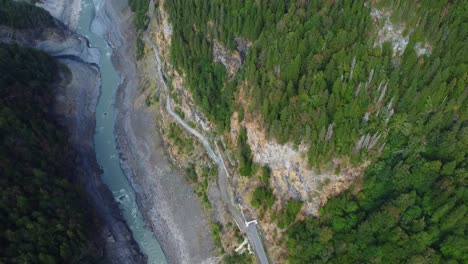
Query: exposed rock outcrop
{"x": 291, "y": 175}
{"x": 397, "y": 34}
{"x": 390, "y": 32}
{"x": 230, "y": 60}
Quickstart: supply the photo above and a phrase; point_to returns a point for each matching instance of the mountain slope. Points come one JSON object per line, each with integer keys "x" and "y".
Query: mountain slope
{"x": 365, "y": 95}
{"x": 44, "y": 218}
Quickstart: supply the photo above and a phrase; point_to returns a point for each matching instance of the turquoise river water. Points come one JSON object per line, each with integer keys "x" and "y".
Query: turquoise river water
{"x": 104, "y": 140}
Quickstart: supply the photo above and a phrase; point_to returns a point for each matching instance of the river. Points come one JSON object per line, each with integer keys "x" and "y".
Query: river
{"x": 106, "y": 151}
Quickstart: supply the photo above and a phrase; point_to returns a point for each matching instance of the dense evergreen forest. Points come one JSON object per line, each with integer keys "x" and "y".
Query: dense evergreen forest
{"x": 318, "y": 75}
{"x": 22, "y": 15}
{"x": 43, "y": 216}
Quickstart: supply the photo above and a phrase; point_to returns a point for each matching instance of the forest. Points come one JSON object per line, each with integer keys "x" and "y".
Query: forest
{"x": 21, "y": 15}
{"x": 43, "y": 215}
{"x": 317, "y": 73}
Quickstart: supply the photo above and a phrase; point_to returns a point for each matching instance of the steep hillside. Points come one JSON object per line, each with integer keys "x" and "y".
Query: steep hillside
{"x": 363, "y": 101}
{"x": 46, "y": 148}
{"x": 22, "y": 15}
{"x": 44, "y": 216}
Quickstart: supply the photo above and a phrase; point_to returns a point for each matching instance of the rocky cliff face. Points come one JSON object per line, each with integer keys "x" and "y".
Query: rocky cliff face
{"x": 291, "y": 175}
{"x": 231, "y": 60}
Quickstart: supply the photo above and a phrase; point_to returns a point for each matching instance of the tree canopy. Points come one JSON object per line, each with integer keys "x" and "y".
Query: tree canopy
{"x": 21, "y": 15}
{"x": 316, "y": 73}
{"x": 43, "y": 216}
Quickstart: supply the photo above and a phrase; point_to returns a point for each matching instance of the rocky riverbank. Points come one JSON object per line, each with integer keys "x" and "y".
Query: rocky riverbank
{"x": 75, "y": 105}
{"x": 169, "y": 206}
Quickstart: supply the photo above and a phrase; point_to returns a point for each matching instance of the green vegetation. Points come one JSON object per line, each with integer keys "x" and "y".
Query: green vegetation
{"x": 191, "y": 173}
{"x": 43, "y": 217}
{"x": 179, "y": 112}
{"x": 316, "y": 77}
{"x": 21, "y": 15}
{"x": 299, "y": 68}
{"x": 412, "y": 206}
{"x": 237, "y": 259}
{"x": 140, "y": 21}
{"x": 266, "y": 175}
{"x": 140, "y": 18}
{"x": 287, "y": 216}
{"x": 191, "y": 52}
{"x": 140, "y": 48}
{"x": 217, "y": 234}
{"x": 183, "y": 142}
{"x": 263, "y": 197}
{"x": 245, "y": 154}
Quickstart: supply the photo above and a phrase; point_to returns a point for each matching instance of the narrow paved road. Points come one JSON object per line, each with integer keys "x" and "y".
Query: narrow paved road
{"x": 251, "y": 230}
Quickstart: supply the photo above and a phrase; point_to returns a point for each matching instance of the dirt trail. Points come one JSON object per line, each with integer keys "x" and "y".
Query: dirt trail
{"x": 223, "y": 183}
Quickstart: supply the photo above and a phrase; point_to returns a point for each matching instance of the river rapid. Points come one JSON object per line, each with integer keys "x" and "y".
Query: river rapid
{"x": 106, "y": 151}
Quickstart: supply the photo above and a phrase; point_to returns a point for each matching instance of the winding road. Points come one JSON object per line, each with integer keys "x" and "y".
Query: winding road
{"x": 223, "y": 175}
